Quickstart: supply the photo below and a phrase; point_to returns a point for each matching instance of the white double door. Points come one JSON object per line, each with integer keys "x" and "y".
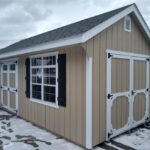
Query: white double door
{"x": 127, "y": 91}
{"x": 9, "y": 85}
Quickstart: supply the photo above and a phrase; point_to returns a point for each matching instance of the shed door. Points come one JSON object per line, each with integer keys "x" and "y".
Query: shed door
{"x": 127, "y": 91}
{"x": 9, "y": 87}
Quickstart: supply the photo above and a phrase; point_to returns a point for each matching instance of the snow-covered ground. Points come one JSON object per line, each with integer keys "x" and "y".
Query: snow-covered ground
{"x": 17, "y": 134}
{"x": 138, "y": 139}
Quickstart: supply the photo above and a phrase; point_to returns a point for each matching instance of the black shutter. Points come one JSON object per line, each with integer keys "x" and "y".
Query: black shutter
{"x": 27, "y": 77}
{"x": 62, "y": 80}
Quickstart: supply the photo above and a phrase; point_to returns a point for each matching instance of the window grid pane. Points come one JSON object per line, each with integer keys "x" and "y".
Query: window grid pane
{"x": 12, "y": 67}
{"x": 37, "y": 61}
{"x": 36, "y": 91}
{"x": 5, "y": 67}
{"x": 49, "y": 94}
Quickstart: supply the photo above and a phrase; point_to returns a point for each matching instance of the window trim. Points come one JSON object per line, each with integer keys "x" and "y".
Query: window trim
{"x": 129, "y": 19}
{"x": 41, "y": 101}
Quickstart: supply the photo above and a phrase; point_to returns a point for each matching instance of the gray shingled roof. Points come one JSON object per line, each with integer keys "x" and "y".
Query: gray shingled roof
{"x": 63, "y": 32}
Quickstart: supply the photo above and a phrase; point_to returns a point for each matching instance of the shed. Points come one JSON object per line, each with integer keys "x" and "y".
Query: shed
{"x": 87, "y": 82}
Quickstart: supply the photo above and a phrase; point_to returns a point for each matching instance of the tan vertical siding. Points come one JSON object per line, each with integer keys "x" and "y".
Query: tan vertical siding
{"x": 65, "y": 121}
{"x": 114, "y": 38}
{"x": 96, "y": 87}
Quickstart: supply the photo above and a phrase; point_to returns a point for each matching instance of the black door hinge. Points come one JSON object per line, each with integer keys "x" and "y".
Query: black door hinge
{"x": 132, "y": 92}
{"x": 15, "y": 90}
{"x": 147, "y": 119}
{"x": 109, "y": 55}
{"x": 109, "y": 96}
{"x": 109, "y": 134}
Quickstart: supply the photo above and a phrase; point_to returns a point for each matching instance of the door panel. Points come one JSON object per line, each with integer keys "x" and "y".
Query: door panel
{"x": 139, "y": 75}
{"x": 12, "y": 100}
{"x": 12, "y": 79}
{"x": 5, "y": 80}
{"x": 9, "y": 90}
{"x": 120, "y": 112}
{"x": 5, "y": 97}
{"x": 120, "y": 75}
{"x": 139, "y": 106}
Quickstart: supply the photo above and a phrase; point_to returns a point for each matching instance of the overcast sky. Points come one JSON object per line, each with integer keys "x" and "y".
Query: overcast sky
{"x": 20, "y": 19}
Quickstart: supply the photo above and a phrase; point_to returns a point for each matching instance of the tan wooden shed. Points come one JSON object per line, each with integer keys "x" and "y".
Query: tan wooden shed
{"x": 87, "y": 82}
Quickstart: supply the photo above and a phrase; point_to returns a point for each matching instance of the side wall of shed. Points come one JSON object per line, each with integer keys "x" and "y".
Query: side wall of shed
{"x": 114, "y": 38}
{"x": 69, "y": 121}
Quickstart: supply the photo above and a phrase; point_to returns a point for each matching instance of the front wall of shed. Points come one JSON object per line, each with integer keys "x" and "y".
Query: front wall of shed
{"x": 68, "y": 121}
{"x": 113, "y": 38}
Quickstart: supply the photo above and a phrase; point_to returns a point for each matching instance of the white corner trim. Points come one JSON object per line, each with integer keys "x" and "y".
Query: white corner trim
{"x": 142, "y": 21}
{"x": 89, "y": 144}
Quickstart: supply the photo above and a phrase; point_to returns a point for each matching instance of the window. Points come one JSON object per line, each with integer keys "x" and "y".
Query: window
{"x": 44, "y": 78}
{"x": 12, "y": 67}
{"x": 127, "y": 24}
{"x": 4, "y": 67}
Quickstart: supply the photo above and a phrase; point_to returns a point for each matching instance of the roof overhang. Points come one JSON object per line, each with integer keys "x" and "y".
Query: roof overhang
{"x": 82, "y": 38}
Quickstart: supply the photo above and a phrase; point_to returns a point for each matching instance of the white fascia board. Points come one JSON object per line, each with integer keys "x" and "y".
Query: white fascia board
{"x": 44, "y": 46}
{"x": 94, "y": 31}
{"x": 142, "y": 21}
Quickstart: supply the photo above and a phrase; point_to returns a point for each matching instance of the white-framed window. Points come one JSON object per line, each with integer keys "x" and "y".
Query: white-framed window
{"x": 5, "y": 68}
{"x": 127, "y": 24}
{"x": 43, "y": 79}
{"x": 8, "y": 67}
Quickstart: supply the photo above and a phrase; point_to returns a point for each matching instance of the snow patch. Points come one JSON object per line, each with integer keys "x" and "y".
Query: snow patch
{"x": 139, "y": 139}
